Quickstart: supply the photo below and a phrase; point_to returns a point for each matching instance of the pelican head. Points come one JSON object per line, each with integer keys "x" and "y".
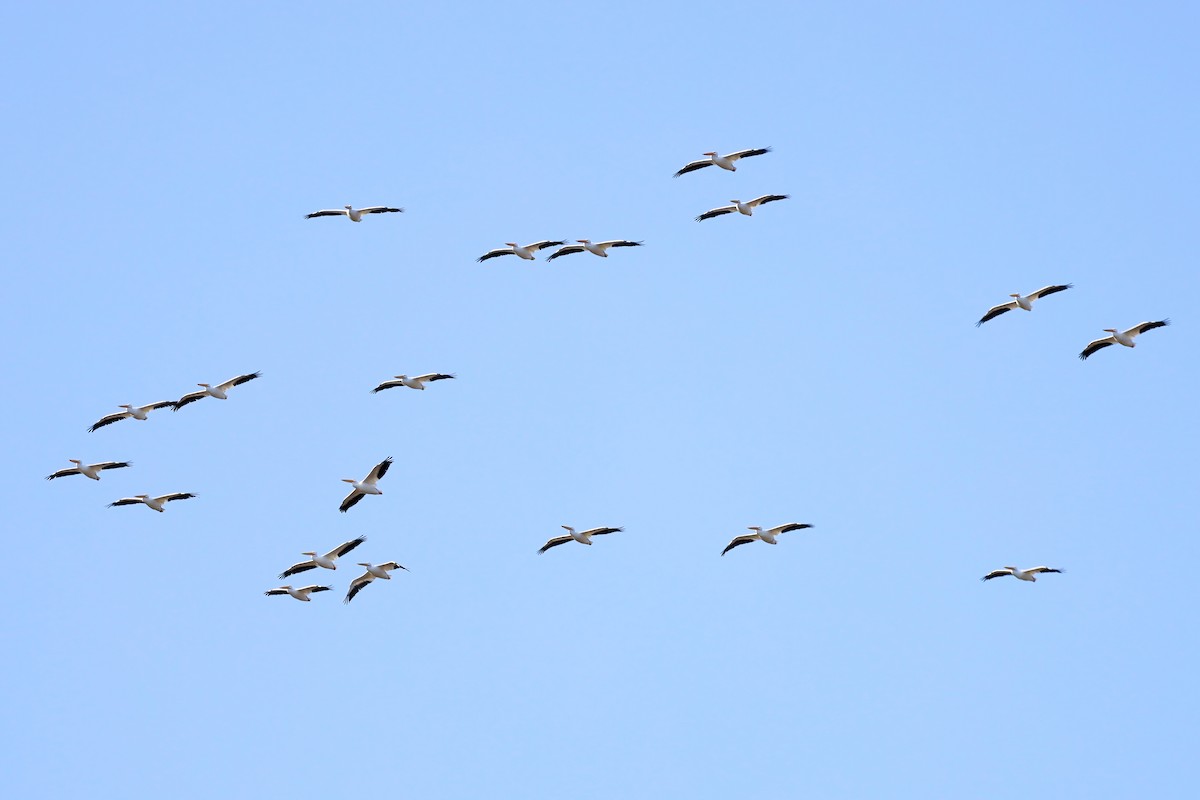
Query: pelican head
{"x": 347, "y": 207}
{"x": 349, "y": 480}
{"x": 736, "y": 202}
{"x": 567, "y": 528}
{"x": 401, "y": 377}
{"x": 124, "y": 405}
{"x": 1015, "y": 294}
{"x": 709, "y": 154}
{"x": 205, "y": 385}
{"x": 755, "y": 528}
{"x": 309, "y": 553}
{"x": 512, "y": 244}
{"x": 584, "y": 241}
{"x": 364, "y": 563}
{"x": 1110, "y": 330}
{"x": 143, "y": 496}
{"x": 74, "y": 460}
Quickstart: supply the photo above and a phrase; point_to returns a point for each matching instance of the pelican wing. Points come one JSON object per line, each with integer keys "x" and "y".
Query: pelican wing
{"x": 692, "y": 166}
{"x": 379, "y": 471}
{"x": 327, "y": 212}
{"x": 380, "y": 210}
{"x": 346, "y": 547}
{"x": 499, "y": 251}
{"x": 791, "y": 526}
{"x": 716, "y": 212}
{"x": 1043, "y": 569}
{"x": 62, "y": 473}
{"x": 555, "y": 542}
{"x": 126, "y": 501}
{"x": 275, "y": 591}
{"x": 542, "y": 245}
{"x": 238, "y": 381}
{"x": 998, "y": 573}
{"x": 314, "y": 589}
{"x": 156, "y": 406}
{"x": 1147, "y": 326}
{"x": 166, "y": 498}
{"x": 996, "y": 311}
{"x": 619, "y": 243}
{"x": 111, "y": 464}
{"x": 601, "y": 531}
{"x": 766, "y": 198}
{"x": 748, "y": 153}
{"x": 1045, "y": 291}
{"x": 738, "y": 541}
{"x": 110, "y": 419}
{"x": 1098, "y": 344}
{"x": 357, "y": 586}
{"x": 566, "y": 251}
{"x": 433, "y": 376}
{"x": 352, "y": 498}
{"x": 294, "y": 569}
{"x": 190, "y": 397}
{"x": 391, "y": 565}
{"x": 387, "y": 385}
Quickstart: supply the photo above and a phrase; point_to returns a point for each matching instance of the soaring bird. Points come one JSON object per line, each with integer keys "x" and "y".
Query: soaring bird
{"x": 417, "y": 382}
{"x": 724, "y": 162}
{"x": 366, "y": 486}
{"x": 153, "y": 502}
{"x": 327, "y": 561}
{"x": 373, "y": 571}
{"x": 767, "y": 536}
{"x": 1122, "y": 337}
{"x": 1018, "y": 301}
{"x": 217, "y": 391}
{"x": 137, "y": 412}
{"x": 1020, "y": 574}
{"x": 583, "y": 537}
{"x": 528, "y": 252}
{"x": 301, "y": 593}
{"x": 746, "y": 208}
{"x": 598, "y": 248}
{"x": 87, "y": 470}
{"x": 355, "y": 214}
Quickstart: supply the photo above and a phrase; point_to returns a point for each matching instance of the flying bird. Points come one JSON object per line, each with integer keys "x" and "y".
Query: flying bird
{"x": 417, "y": 382}
{"x": 153, "y": 502}
{"x": 728, "y": 162}
{"x": 583, "y": 537}
{"x": 301, "y": 593}
{"x": 373, "y": 571}
{"x": 218, "y": 391}
{"x": 327, "y": 561}
{"x": 746, "y": 208}
{"x": 137, "y": 412}
{"x": 366, "y": 486}
{"x": 760, "y": 535}
{"x": 528, "y": 252}
{"x": 1020, "y": 574}
{"x": 598, "y": 248}
{"x": 355, "y": 214}
{"x": 1122, "y": 337}
{"x": 87, "y": 470}
{"x": 1018, "y": 301}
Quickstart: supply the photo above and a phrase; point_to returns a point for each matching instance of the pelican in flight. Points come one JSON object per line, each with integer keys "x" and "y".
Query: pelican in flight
{"x": 1018, "y": 301}
{"x": 583, "y": 537}
{"x": 373, "y": 571}
{"x": 417, "y": 382}
{"x": 728, "y": 162}
{"x": 366, "y": 486}
{"x": 355, "y": 214}
{"x": 767, "y": 536}
{"x": 300, "y": 594}
{"x": 153, "y": 502}
{"x": 746, "y": 208}
{"x": 1020, "y": 574}
{"x": 327, "y": 561}
{"x": 217, "y": 391}
{"x": 88, "y": 470}
{"x": 598, "y": 248}
{"x": 137, "y": 412}
{"x": 1122, "y": 337}
{"x": 528, "y": 252}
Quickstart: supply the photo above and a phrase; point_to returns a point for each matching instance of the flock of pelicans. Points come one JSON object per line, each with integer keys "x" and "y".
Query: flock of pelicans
{"x": 368, "y": 485}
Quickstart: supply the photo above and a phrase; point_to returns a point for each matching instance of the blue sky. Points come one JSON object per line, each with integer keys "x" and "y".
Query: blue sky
{"x": 816, "y": 363}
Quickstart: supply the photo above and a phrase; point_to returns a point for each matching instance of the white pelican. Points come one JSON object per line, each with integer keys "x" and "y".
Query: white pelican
{"x": 528, "y": 252}
{"x": 760, "y": 535}
{"x": 355, "y": 214}
{"x": 1025, "y": 302}
{"x": 153, "y": 502}
{"x": 724, "y": 162}
{"x": 300, "y": 594}
{"x": 217, "y": 391}
{"x": 1020, "y": 574}
{"x": 583, "y": 537}
{"x": 137, "y": 412}
{"x": 88, "y": 470}
{"x": 417, "y": 382}
{"x": 1122, "y": 337}
{"x": 373, "y": 571}
{"x": 746, "y": 208}
{"x": 598, "y": 248}
{"x": 327, "y": 561}
{"x": 366, "y": 485}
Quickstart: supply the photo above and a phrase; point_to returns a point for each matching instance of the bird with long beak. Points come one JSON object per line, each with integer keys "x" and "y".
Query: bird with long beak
{"x": 327, "y": 561}
{"x": 87, "y": 470}
{"x": 366, "y": 486}
{"x": 1125, "y": 337}
{"x": 724, "y": 162}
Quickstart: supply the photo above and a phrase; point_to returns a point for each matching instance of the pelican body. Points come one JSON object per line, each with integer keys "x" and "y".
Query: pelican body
{"x": 1020, "y": 574}
{"x": 355, "y": 214}
{"x": 595, "y": 248}
{"x": 1124, "y": 338}
{"x": 327, "y": 561}
{"x": 373, "y": 571}
{"x": 746, "y": 208}
{"x": 155, "y": 503}
{"x": 87, "y": 470}
{"x": 528, "y": 252}
{"x": 583, "y": 537}
{"x": 761, "y": 535}
{"x": 366, "y": 486}
{"x": 219, "y": 391}
{"x": 416, "y": 382}
{"x": 727, "y": 162}
{"x": 300, "y": 594}
{"x": 1025, "y": 303}
{"x": 136, "y": 412}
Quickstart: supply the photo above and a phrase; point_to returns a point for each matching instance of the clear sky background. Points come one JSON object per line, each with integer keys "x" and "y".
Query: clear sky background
{"x": 815, "y": 363}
